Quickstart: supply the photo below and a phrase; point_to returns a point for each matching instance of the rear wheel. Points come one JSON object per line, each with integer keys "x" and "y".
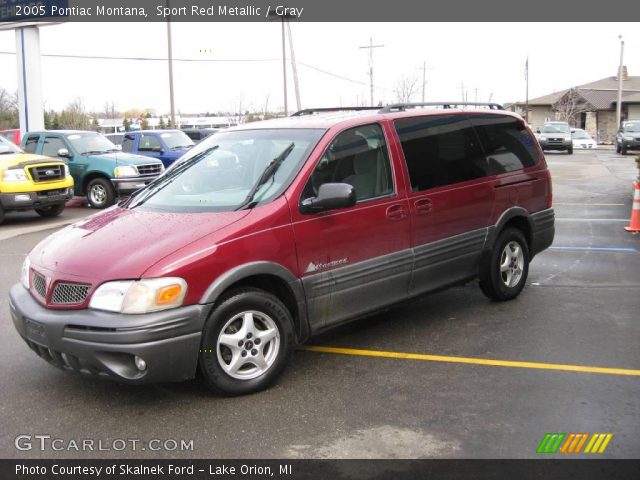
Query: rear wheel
{"x": 100, "y": 193}
{"x": 246, "y": 342}
{"x": 504, "y": 275}
{"x": 570, "y": 150}
{"x": 51, "y": 210}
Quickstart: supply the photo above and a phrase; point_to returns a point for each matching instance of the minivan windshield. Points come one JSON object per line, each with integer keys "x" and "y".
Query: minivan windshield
{"x": 556, "y": 128}
{"x": 223, "y": 171}
{"x": 631, "y": 127}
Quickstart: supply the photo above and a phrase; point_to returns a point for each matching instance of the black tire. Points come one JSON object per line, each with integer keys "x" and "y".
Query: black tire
{"x": 229, "y": 315}
{"x": 570, "y": 150}
{"x": 617, "y": 147}
{"x": 623, "y": 150}
{"x": 1, "y": 214}
{"x": 100, "y": 193}
{"x": 492, "y": 282}
{"x": 51, "y": 210}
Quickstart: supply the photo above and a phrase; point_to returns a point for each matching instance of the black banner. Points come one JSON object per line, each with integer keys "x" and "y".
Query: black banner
{"x": 318, "y": 469}
{"x": 315, "y": 11}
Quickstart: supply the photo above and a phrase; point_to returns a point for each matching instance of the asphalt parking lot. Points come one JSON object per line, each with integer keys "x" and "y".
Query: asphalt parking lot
{"x": 579, "y": 309}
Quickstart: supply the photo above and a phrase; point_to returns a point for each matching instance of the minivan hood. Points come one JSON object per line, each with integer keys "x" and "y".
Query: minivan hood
{"x": 121, "y": 244}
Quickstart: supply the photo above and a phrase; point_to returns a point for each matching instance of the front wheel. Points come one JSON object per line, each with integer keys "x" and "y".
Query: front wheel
{"x": 246, "y": 342}
{"x": 623, "y": 150}
{"x": 51, "y": 210}
{"x": 617, "y": 147}
{"x": 570, "y": 150}
{"x": 100, "y": 193}
{"x": 504, "y": 275}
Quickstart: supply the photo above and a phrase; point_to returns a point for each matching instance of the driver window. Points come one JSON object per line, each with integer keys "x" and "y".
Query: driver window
{"x": 149, "y": 143}
{"x": 359, "y": 157}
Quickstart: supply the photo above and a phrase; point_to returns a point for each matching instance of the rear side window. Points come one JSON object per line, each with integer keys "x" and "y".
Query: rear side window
{"x": 51, "y": 146}
{"x": 440, "y": 150}
{"x": 31, "y": 143}
{"x": 506, "y": 143}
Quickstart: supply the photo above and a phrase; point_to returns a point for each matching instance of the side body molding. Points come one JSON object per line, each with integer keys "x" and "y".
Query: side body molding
{"x": 241, "y": 272}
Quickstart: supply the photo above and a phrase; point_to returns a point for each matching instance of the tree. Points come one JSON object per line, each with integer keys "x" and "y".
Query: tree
{"x": 95, "y": 125}
{"x": 144, "y": 125}
{"x": 8, "y": 110}
{"x": 405, "y": 89}
{"x": 74, "y": 116}
{"x": 126, "y": 123}
{"x": 570, "y": 105}
{"x": 162, "y": 124}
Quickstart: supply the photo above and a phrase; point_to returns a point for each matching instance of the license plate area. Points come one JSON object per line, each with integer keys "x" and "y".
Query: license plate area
{"x": 35, "y": 331}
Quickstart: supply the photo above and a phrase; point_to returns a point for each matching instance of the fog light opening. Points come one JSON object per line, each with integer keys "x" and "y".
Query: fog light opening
{"x": 140, "y": 363}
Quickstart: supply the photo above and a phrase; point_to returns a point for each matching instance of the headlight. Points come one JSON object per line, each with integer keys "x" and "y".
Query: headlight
{"x": 24, "y": 274}
{"x": 14, "y": 175}
{"x": 66, "y": 171}
{"x": 542, "y": 137}
{"x": 139, "y": 296}
{"x": 125, "y": 171}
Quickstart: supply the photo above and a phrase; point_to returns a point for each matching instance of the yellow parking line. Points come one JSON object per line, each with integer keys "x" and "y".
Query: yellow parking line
{"x": 472, "y": 361}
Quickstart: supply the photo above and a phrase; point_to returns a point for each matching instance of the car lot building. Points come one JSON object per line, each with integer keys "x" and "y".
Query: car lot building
{"x": 591, "y": 106}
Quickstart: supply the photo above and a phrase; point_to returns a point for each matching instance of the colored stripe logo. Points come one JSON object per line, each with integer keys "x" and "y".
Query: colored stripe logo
{"x": 574, "y": 442}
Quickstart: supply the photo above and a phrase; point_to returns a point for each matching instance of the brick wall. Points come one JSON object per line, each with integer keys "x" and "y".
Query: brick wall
{"x": 607, "y": 126}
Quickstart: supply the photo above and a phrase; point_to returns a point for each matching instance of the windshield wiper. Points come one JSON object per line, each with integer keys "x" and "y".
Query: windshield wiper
{"x": 269, "y": 172}
{"x": 163, "y": 180}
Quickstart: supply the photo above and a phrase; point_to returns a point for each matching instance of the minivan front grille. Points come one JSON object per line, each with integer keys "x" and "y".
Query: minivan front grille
{"x": 150, "y": 169}
{"x": 40, "y": 284}
{"x": 47, "y": 173}
{"x": 69, "y": 294}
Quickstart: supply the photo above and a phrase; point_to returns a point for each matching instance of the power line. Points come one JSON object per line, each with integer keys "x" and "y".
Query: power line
{"x": 206, "y": 60}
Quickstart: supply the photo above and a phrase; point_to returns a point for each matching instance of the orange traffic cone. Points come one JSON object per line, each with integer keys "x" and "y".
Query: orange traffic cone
{"x": 634, "y": 224}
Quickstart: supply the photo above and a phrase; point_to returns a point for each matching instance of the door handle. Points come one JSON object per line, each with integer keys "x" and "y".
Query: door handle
{"x": 396, "y": 212}
{"x": 423, "y": 206}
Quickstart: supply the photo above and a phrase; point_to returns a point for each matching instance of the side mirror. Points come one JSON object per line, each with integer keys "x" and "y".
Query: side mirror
{"x": 331, "y": 196}
{"x": 64, "y": 153}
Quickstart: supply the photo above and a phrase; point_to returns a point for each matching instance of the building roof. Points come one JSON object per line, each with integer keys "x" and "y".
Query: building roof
{"x": 601, "y": 94}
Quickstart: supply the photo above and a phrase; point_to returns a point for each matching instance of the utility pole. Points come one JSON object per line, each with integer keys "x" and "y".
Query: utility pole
{"x": 284, "y": 70}
{"x": 526, "y": 77}
{"x": 293, "y": 67}
{"x": 620, "y": 68}
{"x": 462, "y": 92}
{"x": 424, "y": 78}
{"x": 371, "y": 46}
{"x": 170, "y": 58}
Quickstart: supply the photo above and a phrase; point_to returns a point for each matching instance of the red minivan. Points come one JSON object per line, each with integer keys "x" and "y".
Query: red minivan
{"x": 266, "y": 234}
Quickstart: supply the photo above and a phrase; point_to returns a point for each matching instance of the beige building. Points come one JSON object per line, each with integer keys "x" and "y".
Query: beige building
{"x": 591, "y": 106}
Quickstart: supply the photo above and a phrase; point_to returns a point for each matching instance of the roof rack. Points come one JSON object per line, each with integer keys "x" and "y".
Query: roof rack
{"x": 400, "y": 107}
{"x": 311, "y": 111}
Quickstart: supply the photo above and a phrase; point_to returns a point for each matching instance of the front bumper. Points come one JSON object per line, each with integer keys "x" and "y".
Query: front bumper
{"x": 631, "y": 144}
{"x": 555, "y": 144}
{"x": 127, "y": 185}
{"x": 105, "y": 344}
{"x": 29, "y": 200}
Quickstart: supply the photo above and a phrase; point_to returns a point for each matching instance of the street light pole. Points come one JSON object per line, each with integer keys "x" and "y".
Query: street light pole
{"x": 170, "y": 58}
{"x": 284, "y": 70}
{"x": 619, "y": 105}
